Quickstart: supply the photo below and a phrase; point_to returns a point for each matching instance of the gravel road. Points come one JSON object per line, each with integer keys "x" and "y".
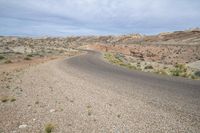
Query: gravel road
{"x": 87, "y": 94}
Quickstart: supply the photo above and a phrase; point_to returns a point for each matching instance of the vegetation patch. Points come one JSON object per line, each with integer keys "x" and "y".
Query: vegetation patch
{"x": 27, "y": 58}
{"x": 118, "y": 59}
{"x": 2, "y": 57}
{"x": 148, "y": 67}
{"x": 49, "y": 128}
{"x": 162, "y": 72}
{"x": 30, "y": 55}
{"x": 197, "y": 73}
{"x": 89, "y": 112}
{"x": 13, "y": 99}
{"x": 8, "y": 61}
{"x": 180, "y": 70}
{"x": 4, "y": 99}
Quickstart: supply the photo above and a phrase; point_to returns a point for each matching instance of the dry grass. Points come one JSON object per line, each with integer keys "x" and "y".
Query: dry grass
{"x": 49, "y": 128}
{"x": 8, "y": 61}
{"x": 4, "y": 99}
{"x": 27, "y": 58}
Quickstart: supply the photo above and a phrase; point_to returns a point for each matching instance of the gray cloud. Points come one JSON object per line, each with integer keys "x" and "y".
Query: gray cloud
{"x": 66, "y": 17}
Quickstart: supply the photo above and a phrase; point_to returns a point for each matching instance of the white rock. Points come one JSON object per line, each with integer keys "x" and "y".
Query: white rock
{"x": 52, "y": 110}
{"x": 23, "y": 126}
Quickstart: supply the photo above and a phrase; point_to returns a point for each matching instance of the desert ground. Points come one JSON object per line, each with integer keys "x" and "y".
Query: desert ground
{"x": 129, "y": 83}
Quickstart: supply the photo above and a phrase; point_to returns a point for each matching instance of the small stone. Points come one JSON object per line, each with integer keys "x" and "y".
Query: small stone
{"x": 22, "y": 126}
{"x": 52, "y": 110}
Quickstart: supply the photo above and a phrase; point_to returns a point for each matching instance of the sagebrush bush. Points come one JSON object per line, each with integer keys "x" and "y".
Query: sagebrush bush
{"x": 49, "y": 128}
{"x": 2, "y": 57}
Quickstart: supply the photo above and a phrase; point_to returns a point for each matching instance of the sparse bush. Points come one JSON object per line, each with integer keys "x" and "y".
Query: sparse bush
{"x": 197, "y": 73}
{"x": 12, "y": 99}
{"x": 161, "y": 71}
{"x": 89, "y": 113}
{"x": 18, "y": 53}
{"x": 118, "y": 59}
{"x": 49, "y": 128}
{"x": 119, "y": 56}
{"x": 180, "y": 70}
{"x": 27, "y": 58}
{"x": 89, "y": 106}
{"x": 193, "y": 77}
{"x": 30, "y": 55}
{"x": 2, "y": 57}
{"x": 8, "y": 61}
{"x": 113, "y": 59}
{"x": 4, "y": 99}
{"x": 175, "y": 72}
{"x": 41, "y": 55}
{"x": 118, "y": 115}
{"x": 131, "y": 66}
{"x": 148, "y": 67}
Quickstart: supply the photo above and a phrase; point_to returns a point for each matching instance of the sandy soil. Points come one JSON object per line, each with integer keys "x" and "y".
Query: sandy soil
{"x": 46, "y": 93}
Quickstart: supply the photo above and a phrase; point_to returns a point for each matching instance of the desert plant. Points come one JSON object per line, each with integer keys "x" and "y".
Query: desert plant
{"x": 27, "y": 58}
{"x": 161, "y": 71}
{"x": 175, "y": 72}
{"x": 89, "y": 113}
{"x": 193, "y": 77}
{"x": 30, "y": 55}
{"x": 148, "y": 67}
{"x": 18, "y": 53}
{"x": 12, "y": 99}
{"x": 8, "y": 61}
{"x": 4, "y": 99}
{"x": 118, "y": 115}
{"x": 197, "y": 73}
{"x": 2, "y": 57}
{"x": 180, "y": 70}
{"x": 49, "y": 128}
{"x": 130, "y": 66}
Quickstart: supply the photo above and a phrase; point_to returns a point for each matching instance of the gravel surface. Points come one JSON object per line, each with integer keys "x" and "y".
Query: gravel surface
{"x": 86, "y": 94}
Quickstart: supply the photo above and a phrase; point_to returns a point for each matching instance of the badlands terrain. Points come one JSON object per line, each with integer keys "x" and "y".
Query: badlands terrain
{"x": 129, "y": 83}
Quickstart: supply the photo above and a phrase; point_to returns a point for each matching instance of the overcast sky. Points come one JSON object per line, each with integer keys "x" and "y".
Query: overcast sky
{"x": 96, "y": 17}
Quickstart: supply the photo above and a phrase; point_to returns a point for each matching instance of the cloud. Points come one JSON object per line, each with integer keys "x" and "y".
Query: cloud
{"x": 67, "y": 17}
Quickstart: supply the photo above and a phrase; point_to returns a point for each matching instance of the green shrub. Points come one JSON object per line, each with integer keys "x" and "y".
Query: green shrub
{"x": 30, "y": 55}
{"x": 161, "y": 71}
{"x": 4, "y": 99}
{"x": 18, "y": 53}
{"x": 197, "y": 73}
{"x": 131, "y": 66}
{"x": 175, "y": 72}
{"x": 13, "y": 99}
{"x": 27, "y": 58}
{"x": 2, "y": 57}
{"x": 49, "y": 128}
{"x": 148, "y": 67}
{"x": 8, "y": 61}
{"x": 180, "y": 70}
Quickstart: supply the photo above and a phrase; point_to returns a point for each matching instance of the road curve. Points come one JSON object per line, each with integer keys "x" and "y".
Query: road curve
{"x": 94, "y": 64}
{"x": 87, "y": 94}
{"x": 178, "y": 97}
